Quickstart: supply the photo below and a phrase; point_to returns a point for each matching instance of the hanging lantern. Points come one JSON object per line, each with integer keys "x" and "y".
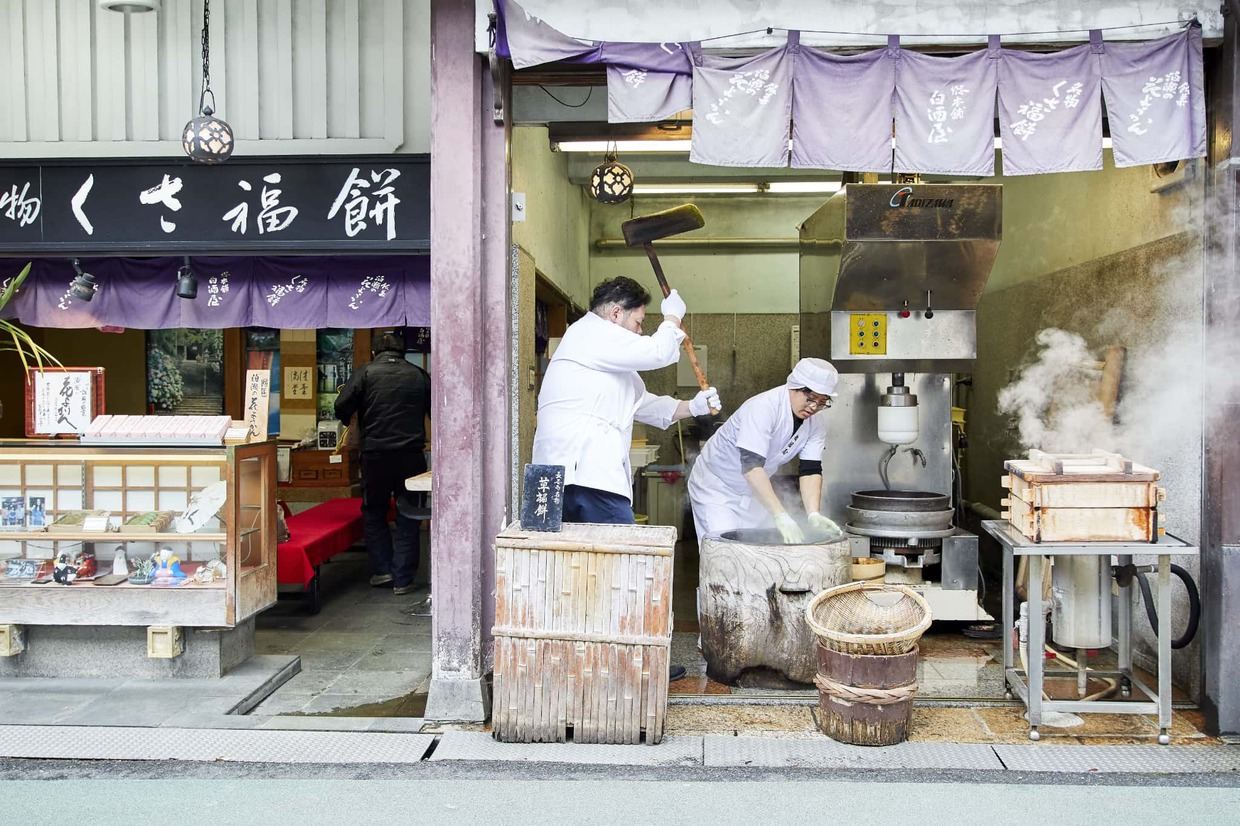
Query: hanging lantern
{"x": 611, "y": 182}
{"x": 206, "y": 138}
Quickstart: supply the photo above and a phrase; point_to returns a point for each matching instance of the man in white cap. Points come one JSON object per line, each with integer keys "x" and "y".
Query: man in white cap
{"x": 730, "y": 485}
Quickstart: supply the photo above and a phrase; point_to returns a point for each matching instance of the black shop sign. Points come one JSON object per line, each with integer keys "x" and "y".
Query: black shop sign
{"x": 359, "y": 204}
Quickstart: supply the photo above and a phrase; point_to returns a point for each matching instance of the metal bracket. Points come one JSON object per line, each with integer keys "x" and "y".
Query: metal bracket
{"x": 499, "y": 74}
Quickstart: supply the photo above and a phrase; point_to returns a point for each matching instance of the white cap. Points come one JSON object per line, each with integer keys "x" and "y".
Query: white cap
{"x": 816, "y": 374}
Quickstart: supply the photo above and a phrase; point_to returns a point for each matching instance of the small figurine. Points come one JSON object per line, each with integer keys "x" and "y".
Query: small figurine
{"x": 64, "y": 572}
{"x": 84, "y": 565}
{"x": 213, "y": 570}
{"x": 168, "y": 566}
{"x": 120, "y": 563}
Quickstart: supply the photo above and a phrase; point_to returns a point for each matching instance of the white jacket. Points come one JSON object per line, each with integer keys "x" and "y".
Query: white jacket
{"x": 721, "y": 497}
{"x": 590, "y": 396}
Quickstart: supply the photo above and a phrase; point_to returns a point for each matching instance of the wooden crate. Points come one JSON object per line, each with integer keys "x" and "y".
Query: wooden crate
{"x": 583, "y": 633}
{"x": 1090, "y": 497}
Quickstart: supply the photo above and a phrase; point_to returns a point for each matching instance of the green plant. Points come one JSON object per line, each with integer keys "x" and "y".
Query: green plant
{"x": 164, "y": 387}
{"x": 15, "y": 339}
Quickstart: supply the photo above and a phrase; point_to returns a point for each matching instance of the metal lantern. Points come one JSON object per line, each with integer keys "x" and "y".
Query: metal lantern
{"x": 206, "y": 138}
{"x": 611, "y": 182}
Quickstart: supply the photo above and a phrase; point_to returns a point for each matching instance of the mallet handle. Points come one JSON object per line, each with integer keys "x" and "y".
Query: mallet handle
{"x": 688, "y": 344}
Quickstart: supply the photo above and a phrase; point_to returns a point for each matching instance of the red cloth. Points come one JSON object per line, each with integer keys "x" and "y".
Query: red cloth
{"x": 316, "y": 535}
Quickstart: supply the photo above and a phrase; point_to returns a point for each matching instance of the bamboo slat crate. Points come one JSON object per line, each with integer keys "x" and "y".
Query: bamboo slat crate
{"x": 1082, "y": 497}
{"x": 583, "y": 633}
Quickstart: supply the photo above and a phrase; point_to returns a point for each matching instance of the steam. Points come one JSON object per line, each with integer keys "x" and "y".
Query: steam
{"x": 1054, "y": 402}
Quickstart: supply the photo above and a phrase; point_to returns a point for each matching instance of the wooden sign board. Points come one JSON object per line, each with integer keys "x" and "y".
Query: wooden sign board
{"x": 542, "y": 498}
{"x": 62, "y": 401}
{"x": 257, "y": 401}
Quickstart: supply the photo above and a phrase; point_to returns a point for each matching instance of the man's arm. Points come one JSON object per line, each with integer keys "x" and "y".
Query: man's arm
{"x": 350, "y": 399}
{"x": 618, "y": 350}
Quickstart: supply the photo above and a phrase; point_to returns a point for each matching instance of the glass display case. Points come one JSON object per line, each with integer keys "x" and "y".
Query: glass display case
{"x": 177, "y": 536}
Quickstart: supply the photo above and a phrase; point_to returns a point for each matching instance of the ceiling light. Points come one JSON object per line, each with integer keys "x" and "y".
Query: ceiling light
{"x": 84, "y": 285}
{"x": 695, "y": 189}
{"x": 625, "y": 147}
{"x": 187, "y": 282}
{"x": 128, "y": 6}
{"x": 804, "y": 186}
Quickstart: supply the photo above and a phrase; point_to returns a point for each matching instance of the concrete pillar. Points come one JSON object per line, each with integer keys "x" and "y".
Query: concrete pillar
{"x": 469, "y": 383}
{"x": 1220, "y": 529}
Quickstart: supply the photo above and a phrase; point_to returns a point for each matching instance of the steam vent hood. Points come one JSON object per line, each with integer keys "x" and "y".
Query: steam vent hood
{"x": 900, "y": 241}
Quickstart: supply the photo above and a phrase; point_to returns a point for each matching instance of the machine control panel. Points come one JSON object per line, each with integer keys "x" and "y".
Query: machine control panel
{"x": 867, "y": 334}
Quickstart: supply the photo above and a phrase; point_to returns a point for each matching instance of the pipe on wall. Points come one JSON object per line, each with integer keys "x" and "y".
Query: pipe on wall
{"x": 751, "y": 243}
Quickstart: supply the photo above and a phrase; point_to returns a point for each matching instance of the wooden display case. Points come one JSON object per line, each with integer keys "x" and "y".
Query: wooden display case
{"x": 124, "y": 481}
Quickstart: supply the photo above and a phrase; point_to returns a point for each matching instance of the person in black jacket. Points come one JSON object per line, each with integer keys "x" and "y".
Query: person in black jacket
{"x": 391, "y": 398}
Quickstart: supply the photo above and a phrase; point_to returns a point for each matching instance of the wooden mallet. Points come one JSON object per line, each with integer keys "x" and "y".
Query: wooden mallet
{"x": 644, "y": 230}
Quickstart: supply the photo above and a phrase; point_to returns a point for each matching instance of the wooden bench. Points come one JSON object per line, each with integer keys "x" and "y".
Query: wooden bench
{"x": 315, "y": 536}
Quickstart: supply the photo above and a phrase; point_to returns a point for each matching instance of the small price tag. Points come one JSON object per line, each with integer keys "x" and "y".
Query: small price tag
{"x": 335, "y": 459}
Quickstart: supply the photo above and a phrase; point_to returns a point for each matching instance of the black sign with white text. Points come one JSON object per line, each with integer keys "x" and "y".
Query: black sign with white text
{"x": 373, "y": 202}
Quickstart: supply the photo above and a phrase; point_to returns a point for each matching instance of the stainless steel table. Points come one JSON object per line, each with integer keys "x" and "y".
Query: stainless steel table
{"x": 1028, "y": 686}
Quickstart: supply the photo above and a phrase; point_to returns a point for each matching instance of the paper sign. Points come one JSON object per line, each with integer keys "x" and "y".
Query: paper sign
{"x": 257, "y": 399}
{"x": 63, "y": 401}
{"x": 298, "y": 383}
{"x": 542, "y": 498}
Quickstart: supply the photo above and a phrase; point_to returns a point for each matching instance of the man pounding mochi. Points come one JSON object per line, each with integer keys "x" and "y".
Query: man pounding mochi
{"x": 592, "y": 394}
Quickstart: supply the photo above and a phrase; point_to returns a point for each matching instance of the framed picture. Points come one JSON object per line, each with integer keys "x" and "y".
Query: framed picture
{"x": 12, "y": 513}
{"x": 36, "y": 512}
{"x": 62, "y": 401}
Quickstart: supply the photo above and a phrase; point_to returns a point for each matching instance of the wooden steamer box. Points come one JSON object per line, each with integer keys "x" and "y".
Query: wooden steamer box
{"x": 583, "y": 633}
{"x": 1082, "y": 497}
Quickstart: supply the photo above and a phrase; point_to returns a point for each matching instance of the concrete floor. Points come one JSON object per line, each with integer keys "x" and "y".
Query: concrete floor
{"x": 367, "y": 656}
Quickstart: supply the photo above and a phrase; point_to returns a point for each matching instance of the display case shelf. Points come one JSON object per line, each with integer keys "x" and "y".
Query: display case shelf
{"x": 65, "y": 477}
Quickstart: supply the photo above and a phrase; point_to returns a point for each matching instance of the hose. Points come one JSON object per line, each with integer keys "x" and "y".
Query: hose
{"x": 1111, "y": 684}
{"x": 882, "y": 466}
{"x": 1194, "y": 605}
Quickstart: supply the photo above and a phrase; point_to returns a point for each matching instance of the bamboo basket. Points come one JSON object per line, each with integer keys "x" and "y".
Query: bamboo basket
{"x": 583, "y": 633}
{"x": 869, "y": 618}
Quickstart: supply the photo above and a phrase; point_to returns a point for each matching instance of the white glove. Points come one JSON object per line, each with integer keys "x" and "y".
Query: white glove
{"x": 823, "y": 523}
{"x": 788, "y": 529}
{"x": 706, "y": 401}
{"x": 673, "y": 305}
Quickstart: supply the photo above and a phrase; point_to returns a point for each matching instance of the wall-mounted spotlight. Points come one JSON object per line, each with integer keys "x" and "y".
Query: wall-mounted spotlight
{"x": 130, "y": 6}
{"x": 84, "y": 285}
{"x": 187, "y": 282}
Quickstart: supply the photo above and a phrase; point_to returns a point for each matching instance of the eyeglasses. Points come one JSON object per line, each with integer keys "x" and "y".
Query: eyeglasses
{"x": 816, "y": 402}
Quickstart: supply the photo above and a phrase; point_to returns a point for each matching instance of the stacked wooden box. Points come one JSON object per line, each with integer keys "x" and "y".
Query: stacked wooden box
{"x": 583, "y": 633}
{"x": 1082, "y": 497}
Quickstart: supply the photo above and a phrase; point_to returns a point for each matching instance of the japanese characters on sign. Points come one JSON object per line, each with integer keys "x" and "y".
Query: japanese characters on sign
{"x": 246, "y": 205}
{"x": 298, "y": 383}
{"x": 63, "y": 401}
{"x": 257, "y": 402}
{"x": 542, "y": 498}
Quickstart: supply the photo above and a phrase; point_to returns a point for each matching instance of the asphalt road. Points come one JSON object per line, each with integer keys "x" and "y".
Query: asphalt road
{"x": 37, "y": 792}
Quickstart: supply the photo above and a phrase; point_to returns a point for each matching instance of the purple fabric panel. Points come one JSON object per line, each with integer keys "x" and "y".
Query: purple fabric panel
{"x": 841, "y": 110}
{"x": 641, "y": 96}
{"x": 1155, "y": 99}
{"x": 418, "y": 291}
{"x": 532, "y": 42}
{"x": 10, "y": 268}
{"x": 50, "y": 303}
{"x": 654, "y": 57}
{"x": 288, "y": 293}
{"x": 224, "y": 293}
{"x": 370, "y": 294}
{"x": 945, "y": 110}
{"x": 137, "y": 292}
{"x": 741, "y": 110}
{"x": 1050, "y": 111}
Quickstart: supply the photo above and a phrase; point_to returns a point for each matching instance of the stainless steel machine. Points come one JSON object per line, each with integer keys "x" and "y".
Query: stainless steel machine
{"x": 890, "y": 278}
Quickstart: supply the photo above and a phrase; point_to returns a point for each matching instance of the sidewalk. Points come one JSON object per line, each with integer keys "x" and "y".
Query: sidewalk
{"x": 348, "y": 685}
